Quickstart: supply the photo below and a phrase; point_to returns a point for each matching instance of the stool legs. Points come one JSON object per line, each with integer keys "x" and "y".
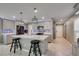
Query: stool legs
{"x": 39, "y": 49}
{"x": 30, "y": 50}
{"x": 34, "y": 50}
{"x": 15, "y": 46}
{"x": 35, "y": 47}
{"x": 16, "y": 43}
{"x": 20, "y": 45}
{"x": 11, "y": 46}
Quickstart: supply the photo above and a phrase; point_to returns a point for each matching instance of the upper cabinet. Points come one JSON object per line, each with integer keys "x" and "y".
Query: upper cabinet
{"x": 8, "y": 26}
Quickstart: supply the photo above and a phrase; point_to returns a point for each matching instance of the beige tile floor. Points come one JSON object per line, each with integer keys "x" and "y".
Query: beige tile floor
{"x": 59, "y": 47}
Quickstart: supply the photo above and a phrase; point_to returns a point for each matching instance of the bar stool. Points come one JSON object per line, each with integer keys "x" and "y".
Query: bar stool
{"x": 15, "y": 43}
{"x": 35, "y": 48}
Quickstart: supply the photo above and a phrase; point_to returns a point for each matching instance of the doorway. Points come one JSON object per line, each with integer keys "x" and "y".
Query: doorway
{"x": 59, "y": 31}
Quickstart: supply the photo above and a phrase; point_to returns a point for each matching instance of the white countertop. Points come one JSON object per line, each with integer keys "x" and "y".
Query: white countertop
{"x": 37, "y": 37}
{"x": 8, "y": 33}
{"x": 25, "y": 41}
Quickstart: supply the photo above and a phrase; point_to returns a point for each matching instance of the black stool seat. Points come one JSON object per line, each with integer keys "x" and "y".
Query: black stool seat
{"x": 15, "y": 44}
{"x": 16, "y": 38}
{"x": 35, "y": 47}
{"x": 35, "y": 42}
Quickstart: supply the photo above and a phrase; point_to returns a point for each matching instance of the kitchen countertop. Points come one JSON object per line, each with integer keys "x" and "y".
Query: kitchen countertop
{"x": 26, "y": 39}
{"x": 38, "y": 37}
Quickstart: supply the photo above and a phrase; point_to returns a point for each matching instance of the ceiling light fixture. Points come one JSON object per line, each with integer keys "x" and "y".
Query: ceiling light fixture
{"x": 21, "y": 15}
{"x": 77, "y": 12}
{"x": 35, "y": 19}
{"x": 35, "y": 10}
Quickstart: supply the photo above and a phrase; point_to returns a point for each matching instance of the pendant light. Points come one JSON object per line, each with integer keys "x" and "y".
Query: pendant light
{"x": 35, "y": 19}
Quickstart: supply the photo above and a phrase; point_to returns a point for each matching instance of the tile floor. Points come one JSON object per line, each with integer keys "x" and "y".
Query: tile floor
{"x": 59, "y": 47}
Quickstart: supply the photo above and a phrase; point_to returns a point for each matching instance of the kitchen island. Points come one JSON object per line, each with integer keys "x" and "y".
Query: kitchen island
{"x": 26, "y": 39}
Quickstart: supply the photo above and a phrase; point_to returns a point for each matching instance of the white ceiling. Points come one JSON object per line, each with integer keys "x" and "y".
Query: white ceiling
{"x": 48, "y": 10}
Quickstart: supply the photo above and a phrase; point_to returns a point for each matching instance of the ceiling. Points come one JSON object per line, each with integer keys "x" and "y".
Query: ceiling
{"x": 48, "y": 10}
